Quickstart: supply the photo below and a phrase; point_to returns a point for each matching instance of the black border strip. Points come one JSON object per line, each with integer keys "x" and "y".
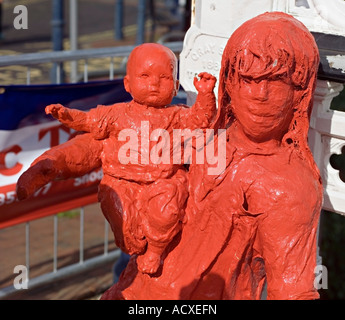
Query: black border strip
{"x": 330, "y": 45}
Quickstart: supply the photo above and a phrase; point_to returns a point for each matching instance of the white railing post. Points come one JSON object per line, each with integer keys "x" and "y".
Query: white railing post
{"x": 81, "y": 239}
{"x": 55, "y": 246}
{"x": 27, "y": 248}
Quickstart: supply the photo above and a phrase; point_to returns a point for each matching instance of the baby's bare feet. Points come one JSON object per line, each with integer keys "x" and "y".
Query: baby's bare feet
{"x": 149, "y": 262}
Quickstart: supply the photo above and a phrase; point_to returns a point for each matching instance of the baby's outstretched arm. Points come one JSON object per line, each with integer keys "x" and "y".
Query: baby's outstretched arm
{"x": 204, "y": 109}
{"x": 72, "y": 118}
{"x": 94, "y": 121}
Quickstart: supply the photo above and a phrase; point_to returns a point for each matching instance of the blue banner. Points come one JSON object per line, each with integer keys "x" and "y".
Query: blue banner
{"x": 22, "y": 105}
{"x": 26, "y": 132}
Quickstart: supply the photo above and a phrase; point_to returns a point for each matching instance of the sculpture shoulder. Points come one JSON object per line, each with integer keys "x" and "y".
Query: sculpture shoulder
{"x": 177, "y": 108}
{"x": 272, "y": 182}
{"x": 116, "y": 107}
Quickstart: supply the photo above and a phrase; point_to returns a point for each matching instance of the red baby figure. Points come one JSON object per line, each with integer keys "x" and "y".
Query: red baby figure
{"x": 143, "y": 195}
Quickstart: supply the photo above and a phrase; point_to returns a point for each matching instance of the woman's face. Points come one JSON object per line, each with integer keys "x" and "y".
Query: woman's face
{"x": 263, "y": 107}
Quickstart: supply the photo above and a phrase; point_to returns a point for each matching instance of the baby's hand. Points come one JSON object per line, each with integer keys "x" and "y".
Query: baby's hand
{"x": 58, "y": 111}
{"x": 206, "y": 83}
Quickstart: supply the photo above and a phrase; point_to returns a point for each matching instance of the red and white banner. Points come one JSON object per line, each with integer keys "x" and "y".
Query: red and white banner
{"x": 19, "y": 148}
{"x": 26, "y": 132}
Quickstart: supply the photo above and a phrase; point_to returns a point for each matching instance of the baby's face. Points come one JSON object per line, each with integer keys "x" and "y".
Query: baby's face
{"x": 263, "y": 107}
{"x": 151, "y": 80}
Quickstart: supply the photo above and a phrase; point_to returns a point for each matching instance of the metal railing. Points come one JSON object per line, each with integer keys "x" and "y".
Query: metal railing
{"x": 67, "y": 271}
{"x": 57, "y": 58}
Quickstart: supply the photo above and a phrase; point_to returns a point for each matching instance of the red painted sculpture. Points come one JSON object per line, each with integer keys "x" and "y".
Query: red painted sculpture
{"x": 254, "y": 222}
{"x": 143, "y": 194}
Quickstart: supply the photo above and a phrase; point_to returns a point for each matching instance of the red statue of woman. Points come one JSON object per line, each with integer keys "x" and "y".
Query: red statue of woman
{"x": 271, "y": 191}
{"x": 256, "y": 221}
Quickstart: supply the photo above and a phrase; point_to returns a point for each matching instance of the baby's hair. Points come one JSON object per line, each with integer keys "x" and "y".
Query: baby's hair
{"x": 145, "y": 48}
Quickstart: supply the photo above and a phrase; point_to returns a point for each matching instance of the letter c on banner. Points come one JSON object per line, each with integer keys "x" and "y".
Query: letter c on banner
{"x": 16, "y": 168}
